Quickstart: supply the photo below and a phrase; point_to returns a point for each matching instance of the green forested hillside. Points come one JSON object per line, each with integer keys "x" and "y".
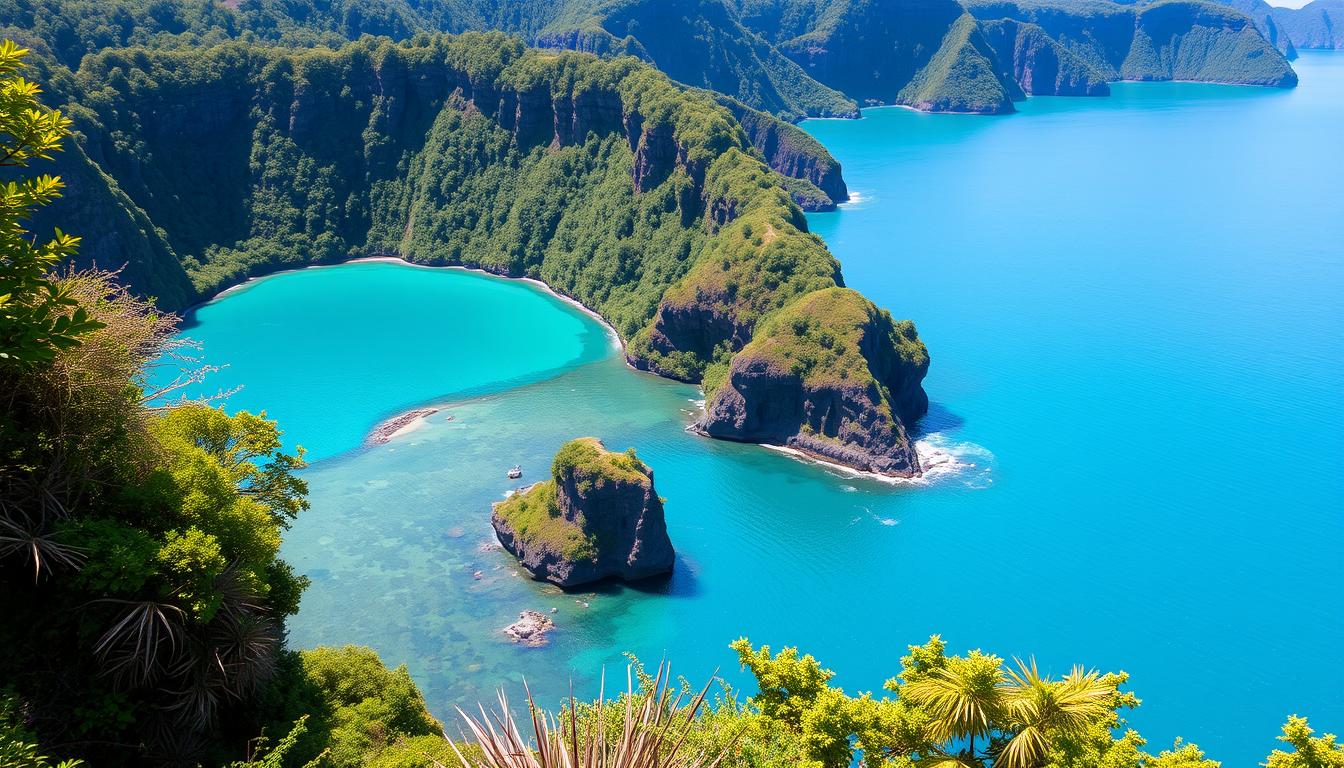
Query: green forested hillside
{"x": 1318, "y": 24}
{"x": 793, "y": 58}
{"x": 700, "y": 43}
{"x": 599, "y": 177}
{"x": 1173, "y": 40}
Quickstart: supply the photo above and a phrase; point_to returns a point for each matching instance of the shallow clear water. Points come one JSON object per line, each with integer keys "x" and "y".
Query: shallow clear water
{"x": 1132, "y": 307}
{"x": 331, "y": 352}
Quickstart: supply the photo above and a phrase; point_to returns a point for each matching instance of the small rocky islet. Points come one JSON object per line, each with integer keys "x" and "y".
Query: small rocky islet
{"x": 597, "y": 517}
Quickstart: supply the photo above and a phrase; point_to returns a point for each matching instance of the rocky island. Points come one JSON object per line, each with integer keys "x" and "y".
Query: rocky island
{"x": 832, "y": 376}
{"x": 598, "y": 517}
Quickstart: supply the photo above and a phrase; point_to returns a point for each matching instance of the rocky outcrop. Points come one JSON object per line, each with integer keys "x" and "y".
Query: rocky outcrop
{"x": 832, "y": 376}
{"x": 531, "y": 629}
{"x": 598, "y": 517}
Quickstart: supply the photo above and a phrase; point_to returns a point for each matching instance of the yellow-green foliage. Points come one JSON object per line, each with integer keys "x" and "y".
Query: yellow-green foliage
{"x": 535, "y": 518}
{"x": 586, "y": 460}
{"x": 363, "y": 707}
{"x": 818, "y": 338}
{"x": 534, "y": 514}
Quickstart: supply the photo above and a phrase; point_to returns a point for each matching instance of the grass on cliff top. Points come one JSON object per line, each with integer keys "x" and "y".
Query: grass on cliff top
{"x": 535, "y": 515}
{"x": 818, "y": 338}
{"x": 588, "y": 461}
{"x": 535, "y": 518}
{"x": 759, "y": 258}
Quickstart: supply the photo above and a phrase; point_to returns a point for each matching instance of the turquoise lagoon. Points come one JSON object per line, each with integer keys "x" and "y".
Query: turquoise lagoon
{"x": 1133, "y": 310}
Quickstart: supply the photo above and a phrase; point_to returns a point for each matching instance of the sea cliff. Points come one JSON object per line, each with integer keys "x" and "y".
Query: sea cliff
{"x": 832, "y": 376}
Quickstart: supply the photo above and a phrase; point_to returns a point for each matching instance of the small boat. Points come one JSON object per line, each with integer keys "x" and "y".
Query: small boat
{"x": 516, "y": 472}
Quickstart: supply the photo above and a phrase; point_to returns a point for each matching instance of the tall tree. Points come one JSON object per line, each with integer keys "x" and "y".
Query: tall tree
{"x": 38, "y": 315}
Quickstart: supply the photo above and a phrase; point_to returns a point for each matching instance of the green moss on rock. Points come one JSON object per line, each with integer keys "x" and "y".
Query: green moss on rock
{"x": 597, "y": 517}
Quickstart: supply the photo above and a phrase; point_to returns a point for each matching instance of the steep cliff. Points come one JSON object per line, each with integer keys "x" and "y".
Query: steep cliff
{"x": 699, "y": 43}
{"x": 1039, "y": 65}
{"x": 961, "y": 76}
{"x": 1180, "y": 40}
{"x": 1318, "y": 24}
{"x": 115, "y": 234}
{"x": 598, "y": 517}
{"x": 914, "y": 52}
{"x": 792, "y": 152}
{"x": 1262, "y": 13}
{"x": 832, "y": 376}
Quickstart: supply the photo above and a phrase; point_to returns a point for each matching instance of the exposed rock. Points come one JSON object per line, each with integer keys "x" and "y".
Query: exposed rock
{"x": 531, "y": 629}
{"x": 789, "y": 150}
{"x": 832, "y": 376}
{"x": 597, "y": 517}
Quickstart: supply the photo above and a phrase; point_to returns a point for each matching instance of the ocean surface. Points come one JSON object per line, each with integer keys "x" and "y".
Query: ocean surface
{"x": 1132, "y": 305}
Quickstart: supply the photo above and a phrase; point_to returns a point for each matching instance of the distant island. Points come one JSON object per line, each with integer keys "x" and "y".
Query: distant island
{"x": 597, "y": 517}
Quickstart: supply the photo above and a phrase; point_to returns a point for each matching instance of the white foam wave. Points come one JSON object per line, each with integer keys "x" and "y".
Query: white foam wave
{"x": 942, "y": 457}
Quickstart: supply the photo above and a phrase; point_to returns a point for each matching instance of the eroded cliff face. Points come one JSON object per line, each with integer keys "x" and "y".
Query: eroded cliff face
{"x": 792, "y": 152}
{"x": 598, "y": 517}
{"x": 1039, "y": 65}
{"x": 832, "y": 376}
{"x": 871, "y": 49}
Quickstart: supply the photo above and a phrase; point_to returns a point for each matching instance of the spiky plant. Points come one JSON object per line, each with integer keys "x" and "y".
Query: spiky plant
{"x": 1039, "y": 711}
{"x": 964, "y": 702}
{"x": 652, "y": 733}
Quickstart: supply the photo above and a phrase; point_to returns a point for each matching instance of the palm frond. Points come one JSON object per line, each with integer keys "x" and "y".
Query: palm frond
{"x": 1040, "y": 710}
{"x": 961, "y": 706}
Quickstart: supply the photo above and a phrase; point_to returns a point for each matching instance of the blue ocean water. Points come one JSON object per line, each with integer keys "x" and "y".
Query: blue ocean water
{"x": 1132, "y": 308}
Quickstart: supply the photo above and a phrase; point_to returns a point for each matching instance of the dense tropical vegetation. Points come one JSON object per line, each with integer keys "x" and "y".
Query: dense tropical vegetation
{"x": 144, "y": 599}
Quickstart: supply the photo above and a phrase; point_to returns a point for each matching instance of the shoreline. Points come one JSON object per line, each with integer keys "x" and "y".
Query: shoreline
{"x": 400, "y": 425}
{"x": 414, "y": 418}
{"x": 937, "y": 463}
{"x": 617, "y": 342}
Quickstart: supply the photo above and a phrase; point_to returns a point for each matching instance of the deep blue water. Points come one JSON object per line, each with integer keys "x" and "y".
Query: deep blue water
{"x": 1132, "y": 308}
